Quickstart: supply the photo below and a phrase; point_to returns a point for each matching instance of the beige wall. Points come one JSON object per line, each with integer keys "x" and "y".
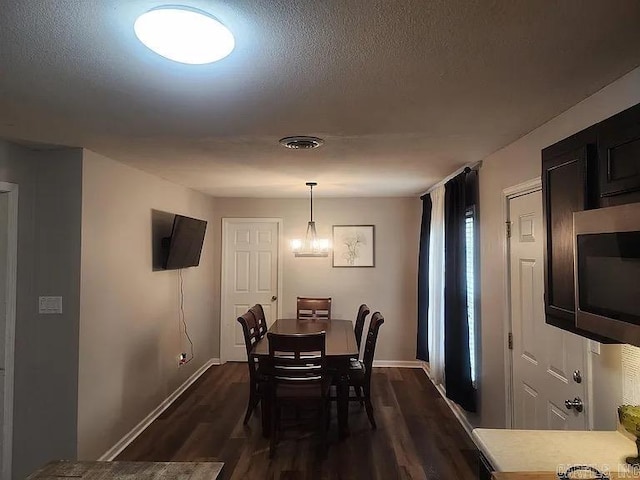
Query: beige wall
{"x": 129, "y": 340}
{"x": 514, "y": 164}
{"x": 46, "y": 353}
{"x": 390, "y": 287}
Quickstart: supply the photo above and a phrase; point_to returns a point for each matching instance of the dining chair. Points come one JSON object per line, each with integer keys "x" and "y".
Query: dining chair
{"x": 258, "y": 313}
{"x": 310, "y": 308}
{"x": 360, "y": 371}
{"x": 251, "y": 332}
{"x": 297, "y": 377}
{"x": 363, "y": 311}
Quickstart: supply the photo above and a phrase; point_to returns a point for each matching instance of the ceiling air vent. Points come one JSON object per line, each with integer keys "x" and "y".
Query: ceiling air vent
{"x": 301, "y": 142}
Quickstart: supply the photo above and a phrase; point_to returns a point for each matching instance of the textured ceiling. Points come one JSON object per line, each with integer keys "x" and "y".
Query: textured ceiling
{"x": 402, "y": 91}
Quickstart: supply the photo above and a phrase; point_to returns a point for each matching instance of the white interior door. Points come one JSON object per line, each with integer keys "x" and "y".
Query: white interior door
{"x": 250, "y": 266}
{"x": 543, "y": 357}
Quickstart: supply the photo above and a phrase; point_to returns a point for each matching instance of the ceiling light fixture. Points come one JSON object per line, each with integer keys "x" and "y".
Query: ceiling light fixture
{"x": 184, "y": 34}
{"x": 301, "y": 142}
{"x": 312, "y": 246}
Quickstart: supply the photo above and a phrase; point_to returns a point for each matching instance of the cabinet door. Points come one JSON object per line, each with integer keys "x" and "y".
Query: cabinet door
{"x": 564, "y": 185}
{"x": 566, "y": 180}
{"x": 619, "y": 154}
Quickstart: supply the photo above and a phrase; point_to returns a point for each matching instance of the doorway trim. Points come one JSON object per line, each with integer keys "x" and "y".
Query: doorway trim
{"x": 226, "y": 221}
{"x": 10, "y": 324}
{"x": 508, "y": 194}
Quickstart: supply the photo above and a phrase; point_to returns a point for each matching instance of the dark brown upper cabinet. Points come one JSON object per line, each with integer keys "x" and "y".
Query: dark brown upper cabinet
{"x": 568, "y": 168}
{"x": 619, "y": 158}
{"x": 597, "y": 167}
{"x": 564, "y": 185}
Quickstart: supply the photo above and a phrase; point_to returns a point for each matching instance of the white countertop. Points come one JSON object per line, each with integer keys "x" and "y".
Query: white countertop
{"x": 545, "y": 450}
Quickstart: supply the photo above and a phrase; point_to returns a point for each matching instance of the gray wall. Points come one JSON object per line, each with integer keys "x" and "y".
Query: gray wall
{"x": 517, "y": 163}
{"x": 46, "y": 353}
{"x": 129, "y": 323}
{"x": 390, "y": 287}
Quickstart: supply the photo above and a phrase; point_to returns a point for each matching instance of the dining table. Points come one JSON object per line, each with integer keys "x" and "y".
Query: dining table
{"x": 340, "y": 348}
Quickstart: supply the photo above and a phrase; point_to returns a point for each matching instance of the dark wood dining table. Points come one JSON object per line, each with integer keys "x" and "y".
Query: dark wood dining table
{"x": 340, "y": 347}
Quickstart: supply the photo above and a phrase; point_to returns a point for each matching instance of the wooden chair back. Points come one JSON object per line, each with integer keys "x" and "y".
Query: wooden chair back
{"x": 297, "y": 376}
{"x": 372, "y": 338}
{"x": 363, "y": 311}
{"x": 251, "y": 335}
{"x": 297, "y": 359}
{"x": 250, "y": 330}
{"x": 310, "y": 308}
{"x": 258, "y": 313}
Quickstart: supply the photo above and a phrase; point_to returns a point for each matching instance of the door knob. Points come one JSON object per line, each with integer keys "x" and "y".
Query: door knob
{"x": 576, "y": 404}
{"x": 274, "y": 298}
{"x": 577, "y": 376}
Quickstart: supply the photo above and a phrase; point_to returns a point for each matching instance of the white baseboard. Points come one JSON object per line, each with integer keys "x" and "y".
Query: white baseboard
{"x": 114, "y": 451}
{"x": 457, "y": 411}
{"x": 398, "y": 363}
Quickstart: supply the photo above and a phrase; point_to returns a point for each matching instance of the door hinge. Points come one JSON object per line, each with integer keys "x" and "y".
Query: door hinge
{"x": 508, "y": 224}
{"x": 510, "y": 341}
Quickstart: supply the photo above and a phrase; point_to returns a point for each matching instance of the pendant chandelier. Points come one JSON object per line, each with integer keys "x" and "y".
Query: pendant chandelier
{"x": 311, "y": 246}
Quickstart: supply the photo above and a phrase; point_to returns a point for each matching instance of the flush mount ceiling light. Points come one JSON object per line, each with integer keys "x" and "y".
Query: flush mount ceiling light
{"x": 184, "y": 35}
{"x": 301, "y": 142}
{"x": 311, "y": 246}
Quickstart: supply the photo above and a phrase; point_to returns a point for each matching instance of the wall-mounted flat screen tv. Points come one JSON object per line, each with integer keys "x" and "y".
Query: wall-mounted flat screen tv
{"x": 185, "y": 243}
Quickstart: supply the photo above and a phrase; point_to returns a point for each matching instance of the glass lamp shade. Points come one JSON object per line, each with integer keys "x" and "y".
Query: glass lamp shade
{"x": 312, "y": 246}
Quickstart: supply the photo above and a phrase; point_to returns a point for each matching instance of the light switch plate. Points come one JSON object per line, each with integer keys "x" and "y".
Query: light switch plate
{"x": 50, "y": 305}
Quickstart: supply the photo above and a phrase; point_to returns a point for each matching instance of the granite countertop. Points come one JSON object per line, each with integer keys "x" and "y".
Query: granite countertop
{"x": 547, "y": 450}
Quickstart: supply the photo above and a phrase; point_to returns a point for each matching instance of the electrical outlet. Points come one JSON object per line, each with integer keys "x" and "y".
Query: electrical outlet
{"x": 182, "y": 358}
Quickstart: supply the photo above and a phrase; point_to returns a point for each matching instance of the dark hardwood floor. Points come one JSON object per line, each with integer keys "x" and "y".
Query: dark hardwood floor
{"x": 417, "y": 437}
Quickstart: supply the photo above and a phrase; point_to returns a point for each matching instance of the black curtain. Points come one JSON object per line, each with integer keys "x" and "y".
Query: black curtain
{"x": 458, "y": 382}
{"x": 423, "y": 281}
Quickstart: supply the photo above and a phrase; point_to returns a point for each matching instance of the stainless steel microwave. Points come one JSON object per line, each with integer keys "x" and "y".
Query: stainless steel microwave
{"x": 607, "y": 271}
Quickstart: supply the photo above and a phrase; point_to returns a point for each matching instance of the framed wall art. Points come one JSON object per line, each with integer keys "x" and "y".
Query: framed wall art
{"x": 353, "y": 246}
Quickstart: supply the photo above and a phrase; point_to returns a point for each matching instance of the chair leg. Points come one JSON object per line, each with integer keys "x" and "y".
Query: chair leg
{"x": 275, "y": 421}
{"x": 327, "y": 420}
{"x": 369, "y": 407}
{"x": 324, "y": 424}
{"x": 253, "y": 401}
{"x": 367, "y": 403}
{"x": 358, "y": 390}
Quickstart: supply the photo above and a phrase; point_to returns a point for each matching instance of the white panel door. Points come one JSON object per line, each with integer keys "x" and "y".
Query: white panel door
{"x": 250, "y": 276}
{"x": 544, "y": 357}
